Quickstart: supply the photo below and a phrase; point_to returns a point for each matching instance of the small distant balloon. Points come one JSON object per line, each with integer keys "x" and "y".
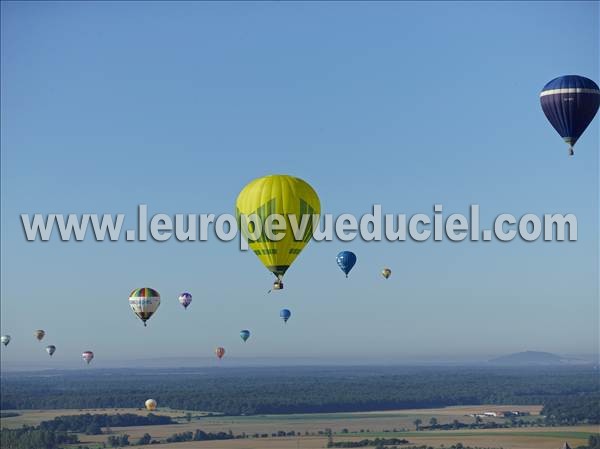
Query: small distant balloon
{"x": 386, "y": 273}
{"x": 39, "y": 334}
{"x": 285, "y": 315}
{"x": 5, "y": 339}
{"x": 346, "y": 260}
{"x": 245, "y": 334}
{"x": 185, "y": 299}
{"x": 87, "y": 356}
{"x": 50, "y": 349}
{"x": 144, "y": 302}
{"x": 150, "y": 405}
{"x": 220, "y": 352}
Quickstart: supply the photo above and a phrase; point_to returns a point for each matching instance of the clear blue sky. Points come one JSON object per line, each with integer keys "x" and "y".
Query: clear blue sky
{"x": 178, "y": 105}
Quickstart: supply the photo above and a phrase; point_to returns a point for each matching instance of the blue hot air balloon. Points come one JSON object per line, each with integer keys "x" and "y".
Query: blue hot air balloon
{"x": 285, "y": 314}
{"x": 570, "y": 103}
{"x": 346, "y": 260}
{"x": 245, "y": 334}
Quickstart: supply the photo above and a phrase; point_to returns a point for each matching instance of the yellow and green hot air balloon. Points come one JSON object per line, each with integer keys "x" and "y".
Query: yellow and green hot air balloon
{"x": 286, "y": 196}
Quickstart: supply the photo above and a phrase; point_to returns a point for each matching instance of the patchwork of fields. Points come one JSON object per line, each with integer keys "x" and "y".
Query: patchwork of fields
{"x": 345, "y": 426}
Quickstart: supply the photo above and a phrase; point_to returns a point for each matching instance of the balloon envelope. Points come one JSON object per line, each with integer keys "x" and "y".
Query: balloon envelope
{"x": 386, "y": 273}
{"x": 286, "y": 196}
{"x": 245, "y": 334}
{"x": 185, "y": 299}
{"x": 144, "y": 302}
{"x": 39, "y": 334}
{"x": 50, "y": 349}
{"x": 570, "y": 103}
{"x": 285, "y": 314}
{"x": 5, "y": 339}
{"x": 87, "y": 356}
{"x": 150, "y": 405}
{"x": 346, "y": 260}
{"x": 220, "y": 352}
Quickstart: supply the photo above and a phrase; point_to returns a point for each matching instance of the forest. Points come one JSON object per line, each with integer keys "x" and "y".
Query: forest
{"x": 34, "y": 437}
{"x": 569, "y": 395}
{"x": 92, "y": 424}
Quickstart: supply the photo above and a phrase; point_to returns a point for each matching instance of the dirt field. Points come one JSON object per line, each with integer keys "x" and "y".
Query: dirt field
{"x": 552, "y": 439}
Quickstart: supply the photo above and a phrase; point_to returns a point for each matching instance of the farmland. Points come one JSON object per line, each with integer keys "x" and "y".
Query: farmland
{"x": 345, "y": 427}
{"x": 299, "y": 407}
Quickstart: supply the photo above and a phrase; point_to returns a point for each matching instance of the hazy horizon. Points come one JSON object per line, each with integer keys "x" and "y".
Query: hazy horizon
{"x": 67, "y": 363}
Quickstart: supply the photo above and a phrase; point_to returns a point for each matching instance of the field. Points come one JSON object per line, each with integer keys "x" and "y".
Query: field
{"x": 358, "y": 425}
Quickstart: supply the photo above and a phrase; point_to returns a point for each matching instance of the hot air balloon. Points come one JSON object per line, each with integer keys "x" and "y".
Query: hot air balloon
{"x": 50, "y": 349}
{"x": 245, "y": 334}
{"x": 87, "y": 356}
{"x": 185, "y": 299}
{"x": 5, "y": 339}
{"x": 570, "y": 104}
{"x": 386, "y": 273}
{"x": 150, "y": 405}
{"x": 346, "y": 260}
{"x": 285, "y": 196}
{"x": 285, "y": 314}
{"x": 220, "y": 352}
{"x": 144, "y": 302}
{"x": 39, "y": 334}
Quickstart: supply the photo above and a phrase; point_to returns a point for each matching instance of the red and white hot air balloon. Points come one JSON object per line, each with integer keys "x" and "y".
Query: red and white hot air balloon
{"x": 87, "y": 356}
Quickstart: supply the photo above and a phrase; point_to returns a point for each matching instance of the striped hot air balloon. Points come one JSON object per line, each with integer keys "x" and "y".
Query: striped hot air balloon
{"x": 285, "y": 315}
{"x": 144, "y": 302}
{"x": 570, "y": 104}
{"x": 283, "y": 197}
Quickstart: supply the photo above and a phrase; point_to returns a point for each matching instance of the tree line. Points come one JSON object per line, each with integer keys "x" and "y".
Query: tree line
{"x": 32, "y": 437}
{"x": 573, "y": 409}
{"x": 92, "y": 424}
{"x": 237, "y": 391}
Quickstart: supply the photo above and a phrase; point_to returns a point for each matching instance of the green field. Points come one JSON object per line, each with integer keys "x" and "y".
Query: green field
{"x": 345, "y": 427}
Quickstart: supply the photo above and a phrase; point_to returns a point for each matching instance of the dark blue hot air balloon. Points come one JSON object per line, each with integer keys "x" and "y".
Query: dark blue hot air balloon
{"x": 245, "y": 334}
{"x": 346, "y": 260}
{"x": 285, "y": 314}
{"x": 570, "y": 103}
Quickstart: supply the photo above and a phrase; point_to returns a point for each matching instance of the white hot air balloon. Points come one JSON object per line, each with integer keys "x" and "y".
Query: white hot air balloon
{"x": 185, "y": 299}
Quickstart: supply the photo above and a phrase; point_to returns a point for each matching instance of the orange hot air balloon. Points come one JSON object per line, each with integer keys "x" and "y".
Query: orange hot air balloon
{"x": 220, "y": 352}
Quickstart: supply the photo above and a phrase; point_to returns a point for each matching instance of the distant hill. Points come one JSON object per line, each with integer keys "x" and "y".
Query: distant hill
{"x": 529, "y": 358}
